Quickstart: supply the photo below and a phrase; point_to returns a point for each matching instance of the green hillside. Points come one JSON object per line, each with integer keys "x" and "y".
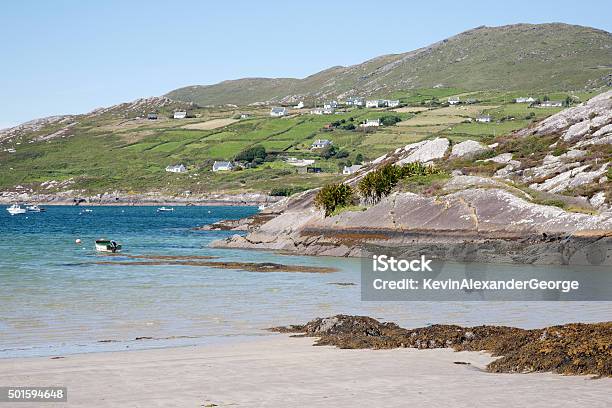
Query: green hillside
{"x": 515, "y": 57}
{"x": 118, "y": 149}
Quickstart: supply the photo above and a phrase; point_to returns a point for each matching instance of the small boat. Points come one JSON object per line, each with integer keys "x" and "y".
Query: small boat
{"x": 86, "y": 211}
{"x": 16, "y": 209}
{"x": 34, "y": 208}
{"x": 165, "y": 209}
{"x": 107, "y": 245}
{"x": 261, "y": 207}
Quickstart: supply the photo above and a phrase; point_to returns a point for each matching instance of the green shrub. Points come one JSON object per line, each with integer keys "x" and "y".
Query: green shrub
{"x": 379, "y": 183}
{"x": 332, "y": 197}
{"x": 285, "y": 191}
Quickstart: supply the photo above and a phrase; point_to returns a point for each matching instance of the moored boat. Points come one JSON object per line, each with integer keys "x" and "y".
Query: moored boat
{"x": 16, "y": 209}
{"x": 107, "y": 245}
{"x": 34, "y": 208}
{"x": 165, "y": 209}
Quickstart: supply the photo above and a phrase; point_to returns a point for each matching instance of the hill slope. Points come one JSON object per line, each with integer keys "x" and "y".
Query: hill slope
{"x": 516, "y": 57}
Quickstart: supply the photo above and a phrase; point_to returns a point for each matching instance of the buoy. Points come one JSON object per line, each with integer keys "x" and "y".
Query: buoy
{"x": 78, "y": 241}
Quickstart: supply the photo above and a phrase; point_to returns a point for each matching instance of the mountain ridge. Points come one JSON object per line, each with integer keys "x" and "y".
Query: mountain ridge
{"x": 519, "y": 56}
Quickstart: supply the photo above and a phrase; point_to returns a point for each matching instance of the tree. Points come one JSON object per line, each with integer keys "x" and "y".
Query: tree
{"x": 328, "y": 152}
{"x": 332, "y": 197}
{"x": 251, "y": 153}
{"x": 342, "y": 154}
{"x": 359, "y": 158}
{"x": 390, "y": 120}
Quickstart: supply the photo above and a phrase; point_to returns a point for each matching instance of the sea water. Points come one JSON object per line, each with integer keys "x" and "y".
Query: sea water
{"x": 58, "y": 297}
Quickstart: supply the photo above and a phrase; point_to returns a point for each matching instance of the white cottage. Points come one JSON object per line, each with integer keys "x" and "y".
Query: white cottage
{"x": 180, "y": 115}
{"x": 351, "y": 169}
{"x": 222, "y": 166}
{"x": 278, "y": 112}
{"x": 176, "y": 168}
{"x": 321, "y": 144}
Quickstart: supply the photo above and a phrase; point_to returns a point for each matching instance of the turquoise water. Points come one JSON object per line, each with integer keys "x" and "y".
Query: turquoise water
{"x": 55, "y": 298}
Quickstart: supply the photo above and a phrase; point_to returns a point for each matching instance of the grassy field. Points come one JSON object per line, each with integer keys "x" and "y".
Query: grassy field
{"x": 123, "y": 152}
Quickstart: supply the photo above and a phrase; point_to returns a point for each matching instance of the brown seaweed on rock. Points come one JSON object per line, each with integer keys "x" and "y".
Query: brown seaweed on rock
{"x": 575, "y": 348}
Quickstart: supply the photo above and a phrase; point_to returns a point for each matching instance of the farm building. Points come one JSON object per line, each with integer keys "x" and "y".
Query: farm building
{"x": 152, "y": 116}
{"x": 483, "y": 118}
{"x": 277, "y": 112}
{"x": 222, "y": 166}
{"x": 394, "y": 103}
{"x": 454, "y": 100}
{"x": 176, "y": 168}
{"x": 180, "y": 115}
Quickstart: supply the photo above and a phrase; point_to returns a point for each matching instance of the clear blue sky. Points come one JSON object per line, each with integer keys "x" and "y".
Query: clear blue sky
{"x": 65, "y": 56}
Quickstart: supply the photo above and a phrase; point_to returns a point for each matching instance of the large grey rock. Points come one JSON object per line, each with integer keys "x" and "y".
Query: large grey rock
{"x": 468, "y": 149}
{"x": 425, "y": 151}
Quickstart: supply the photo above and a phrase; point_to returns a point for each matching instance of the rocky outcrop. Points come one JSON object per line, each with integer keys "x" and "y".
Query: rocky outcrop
{"x": 579, "y": 122}
{"x": 425, "y": 151}
{"x": 571, "y": 179}
{"x": 574, "y": 348}
{"x": 501, "y": 226}
{"x": 468, "y": 149}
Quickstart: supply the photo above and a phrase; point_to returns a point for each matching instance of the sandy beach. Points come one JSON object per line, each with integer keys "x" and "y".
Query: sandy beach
{"x": 279, "y": 371}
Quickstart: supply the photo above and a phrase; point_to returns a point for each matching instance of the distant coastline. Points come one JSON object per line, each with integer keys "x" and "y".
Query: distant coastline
{"x": 129, "y": 199}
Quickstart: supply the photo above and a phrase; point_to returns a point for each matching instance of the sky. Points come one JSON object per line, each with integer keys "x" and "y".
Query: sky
{"x": 71, "y": 56}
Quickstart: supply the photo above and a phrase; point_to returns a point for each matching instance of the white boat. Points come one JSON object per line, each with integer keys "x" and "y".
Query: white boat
{"x": 107, "y": 245}
{"x": 16, "y": 209}
{"x": 86, "y": 211}
{"x": 165, "y": 209}
{"x": 34, "y": 208}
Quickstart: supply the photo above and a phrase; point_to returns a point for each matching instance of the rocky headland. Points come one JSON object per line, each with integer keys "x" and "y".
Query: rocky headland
{"x": 549, "y": 205}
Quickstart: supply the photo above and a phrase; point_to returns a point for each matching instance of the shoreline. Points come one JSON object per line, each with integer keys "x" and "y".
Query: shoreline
{"x": 249, "y": 374}
{"x": 141, "y": 199}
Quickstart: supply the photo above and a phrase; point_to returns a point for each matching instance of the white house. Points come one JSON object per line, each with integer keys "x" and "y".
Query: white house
{"x": 322, "y": 111}
{"x": 524, "y": 100}
{"x": 180, "y": 115}
{"x": 355, "y": 101}
{"x": 351, "y": 169}
{"x": 299, "y": 162}
{"x": 321, "y": 144}
{"x": 277, "y": 112}
{"x": 374, "y": 103}
{"x": 222, "y": 166}
{"x": 300, "y": 105}
{"x": 330, "y": 105}
{"x": 176, "y": 168}
{"x": 551, "y": 104}
{"x": 371, "y": 123}
{"x": 244, "y": 116}
{"x": 393, "y": 103}
{"x": 454, "y": 100}
{"x": 483, "y": 118}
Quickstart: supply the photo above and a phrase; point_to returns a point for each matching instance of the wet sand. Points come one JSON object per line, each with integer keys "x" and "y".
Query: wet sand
{"x": 278, "y": 371}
